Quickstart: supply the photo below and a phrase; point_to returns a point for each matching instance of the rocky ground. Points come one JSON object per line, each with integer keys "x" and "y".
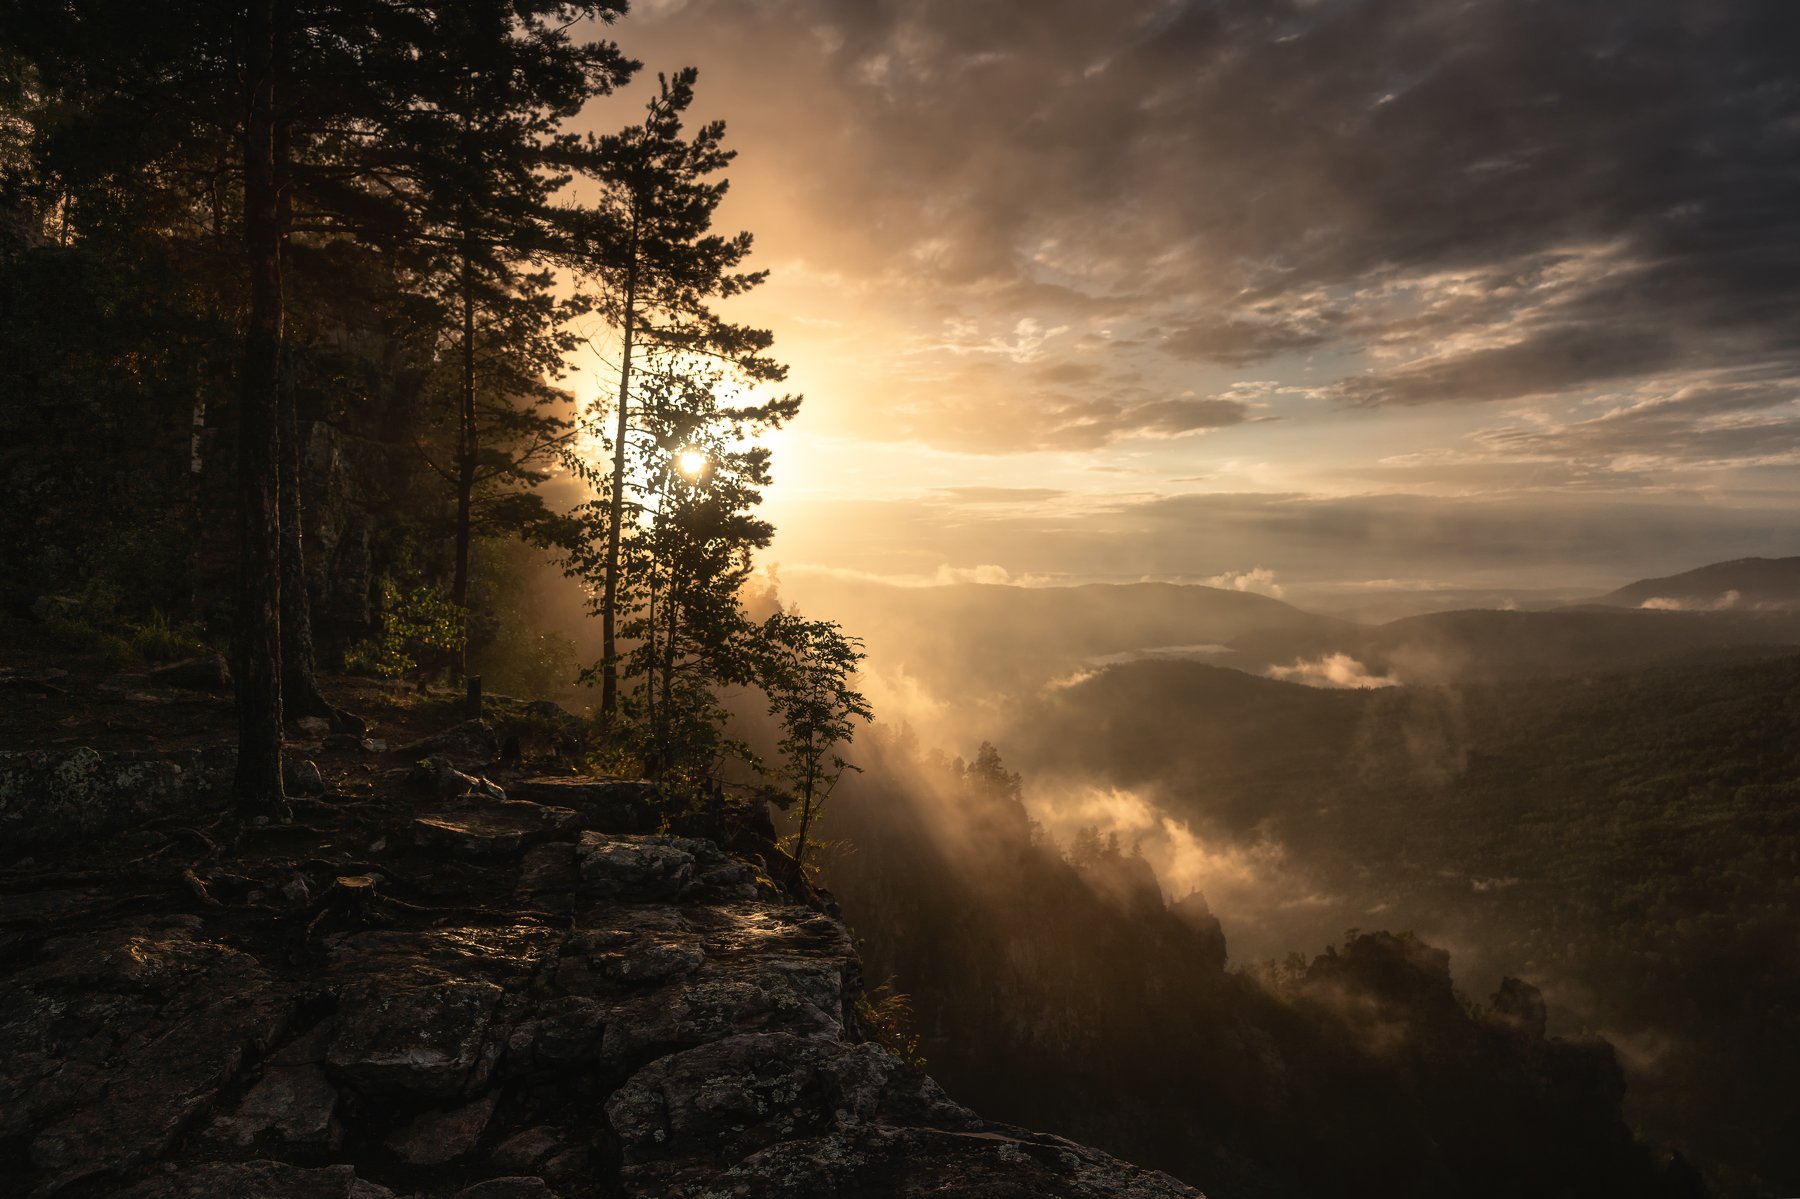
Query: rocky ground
{"x": 449, "y": 979}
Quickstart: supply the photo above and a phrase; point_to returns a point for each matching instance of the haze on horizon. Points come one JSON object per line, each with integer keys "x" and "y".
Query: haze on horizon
{"x": 1357, "y": 293}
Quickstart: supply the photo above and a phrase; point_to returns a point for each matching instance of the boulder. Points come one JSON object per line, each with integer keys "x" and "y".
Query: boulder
{"x": 421, "y": 1035}
{"x": 301, "y": 777}
{"x": 523, "y": 1151}
{"x": 291, "y": 1104}
{"x": 471, "y": 743}
{"x": 208, "y": 673}
{"x": 443, "y": 1136}
{"x": 642, "y": 869}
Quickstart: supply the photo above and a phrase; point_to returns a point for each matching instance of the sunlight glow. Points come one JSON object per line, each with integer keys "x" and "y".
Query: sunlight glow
{"x": 691, "y": 462}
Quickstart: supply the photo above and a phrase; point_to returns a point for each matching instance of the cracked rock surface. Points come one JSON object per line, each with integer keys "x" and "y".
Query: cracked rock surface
{"x": 538, "y": 1001}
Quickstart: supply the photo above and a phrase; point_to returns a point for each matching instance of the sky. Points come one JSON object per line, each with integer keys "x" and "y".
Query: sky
{"x": 1265, "y": 293}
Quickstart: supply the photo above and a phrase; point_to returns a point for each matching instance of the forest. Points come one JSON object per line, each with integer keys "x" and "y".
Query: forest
{"x": 339, "y": 355}
{"x": 305, "y": 285}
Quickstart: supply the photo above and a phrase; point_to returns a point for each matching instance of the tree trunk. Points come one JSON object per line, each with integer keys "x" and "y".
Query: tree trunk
{"x": 258, "y": 649}
{"x": 609, "y": 663}
{"x": 466, "y": 449}
{"x": 299, "y": 689}
{"x": 806, "y": 816}
{"x": 673, "y": 608}
{"x": 465, "y": 438}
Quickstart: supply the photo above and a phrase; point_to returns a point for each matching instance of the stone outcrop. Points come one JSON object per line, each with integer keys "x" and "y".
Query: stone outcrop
{"x": 536, "y": 1002}
{"x": 51, "y": 796}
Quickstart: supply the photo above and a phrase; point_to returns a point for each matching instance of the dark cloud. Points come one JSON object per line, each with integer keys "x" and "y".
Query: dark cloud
{"x": 1698, "y": 427}
{"x": 1547, "y": 362}
{"x": 1238, "y": 342}
{"x": 1497, "y": 199}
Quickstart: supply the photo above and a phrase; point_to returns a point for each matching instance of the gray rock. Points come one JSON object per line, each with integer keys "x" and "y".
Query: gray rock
{"x": 489, "y": 829}
{"x": 606, "y": 804}
{"x": 471, "y": 743}
{"x": 437, "y": 775}
{"x": 571, "y": 1165}
{"x": 524, "y": 1150}
{"x": 519, "y": 1187}
{"x": 118, "y": 1040}
{"x": 548, "y": 870}
{"x": 53, "y": 796}
{"x": 256, "y": 1180}
{"x": 301, "y": 777}
{"x": 193, "y": 674}
{"x": 912, "y": 1163}
{"x": 294, "y": 1104}
{"x": 314, "y": 726}
{"x": 415, "y": 1009}
{"x": 560, "y": 1032}
{"x": 55, "y": 607}
{"x": 718, "y": 972}
{"x": 438, "y": 1137}
{"x": 643, "y": 869}
{"x": 420, "y": 1035}
{"x": 353, "y": 743}
{"x": 729, "y": 1098}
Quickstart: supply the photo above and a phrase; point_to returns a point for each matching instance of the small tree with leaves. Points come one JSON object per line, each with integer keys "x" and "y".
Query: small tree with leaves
{"x": 686, "y": 550}
{"x": 808, "y": 667}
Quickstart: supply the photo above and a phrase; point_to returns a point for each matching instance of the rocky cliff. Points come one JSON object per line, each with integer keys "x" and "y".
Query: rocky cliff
{"x": 462, "y": 990}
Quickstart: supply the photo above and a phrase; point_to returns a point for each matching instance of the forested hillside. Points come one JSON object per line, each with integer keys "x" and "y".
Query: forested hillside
{"x": 1627, "y": 841}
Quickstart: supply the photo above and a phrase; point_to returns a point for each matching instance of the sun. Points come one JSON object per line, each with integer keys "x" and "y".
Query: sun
{"x": 691, "y": 462}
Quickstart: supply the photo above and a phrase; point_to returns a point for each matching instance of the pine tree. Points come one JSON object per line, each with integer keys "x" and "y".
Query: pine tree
{"x": 649, "y": 241}
{"x": 315, "y": 107}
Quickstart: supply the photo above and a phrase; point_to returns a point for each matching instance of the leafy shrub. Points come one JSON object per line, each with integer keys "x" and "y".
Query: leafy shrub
{"x": 419, "y": 621}
{"x": 161, "y": 640}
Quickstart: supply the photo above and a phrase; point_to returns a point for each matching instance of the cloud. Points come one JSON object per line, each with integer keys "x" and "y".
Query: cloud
{"x": 1337, "y": 671}
{"x": 1480, "y": 202}
{"x": 999, "y": 495}
{"x": 1257, "y": 579}
{"x": 1660, "y": 603}
{"x": 1668, "y": 425}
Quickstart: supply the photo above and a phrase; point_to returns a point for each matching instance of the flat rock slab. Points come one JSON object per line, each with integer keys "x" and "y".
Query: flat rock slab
{"x": 291, "y": 1104}
{"x": 659, "y": 868}
{"x": 117, "y": 1041}
{"x": 607, "y": 805}
{"x": 489, "y": 829}
{"x": 515, "y": 1187}
{"x": 438, "y": 1137}
{"x": 415, "y": 1009}
{"x": 49, "y": 797}
{"x": 257, "y": 1180}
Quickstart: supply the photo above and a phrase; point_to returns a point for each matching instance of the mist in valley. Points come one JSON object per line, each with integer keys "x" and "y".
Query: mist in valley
{"x": 1545, "y": 795}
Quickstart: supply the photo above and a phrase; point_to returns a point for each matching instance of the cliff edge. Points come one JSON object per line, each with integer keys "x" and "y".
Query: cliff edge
{"x": 431, "y": 985}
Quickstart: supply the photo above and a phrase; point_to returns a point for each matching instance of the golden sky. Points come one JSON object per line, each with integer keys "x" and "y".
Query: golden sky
{"x": 1344, "y": 290}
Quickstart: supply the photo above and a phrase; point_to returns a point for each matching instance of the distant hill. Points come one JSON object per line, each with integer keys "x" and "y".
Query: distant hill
{"x": 1747, "y": 583}
{"x": 976, "y": 638}
{"x": 1483, "y": 646}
